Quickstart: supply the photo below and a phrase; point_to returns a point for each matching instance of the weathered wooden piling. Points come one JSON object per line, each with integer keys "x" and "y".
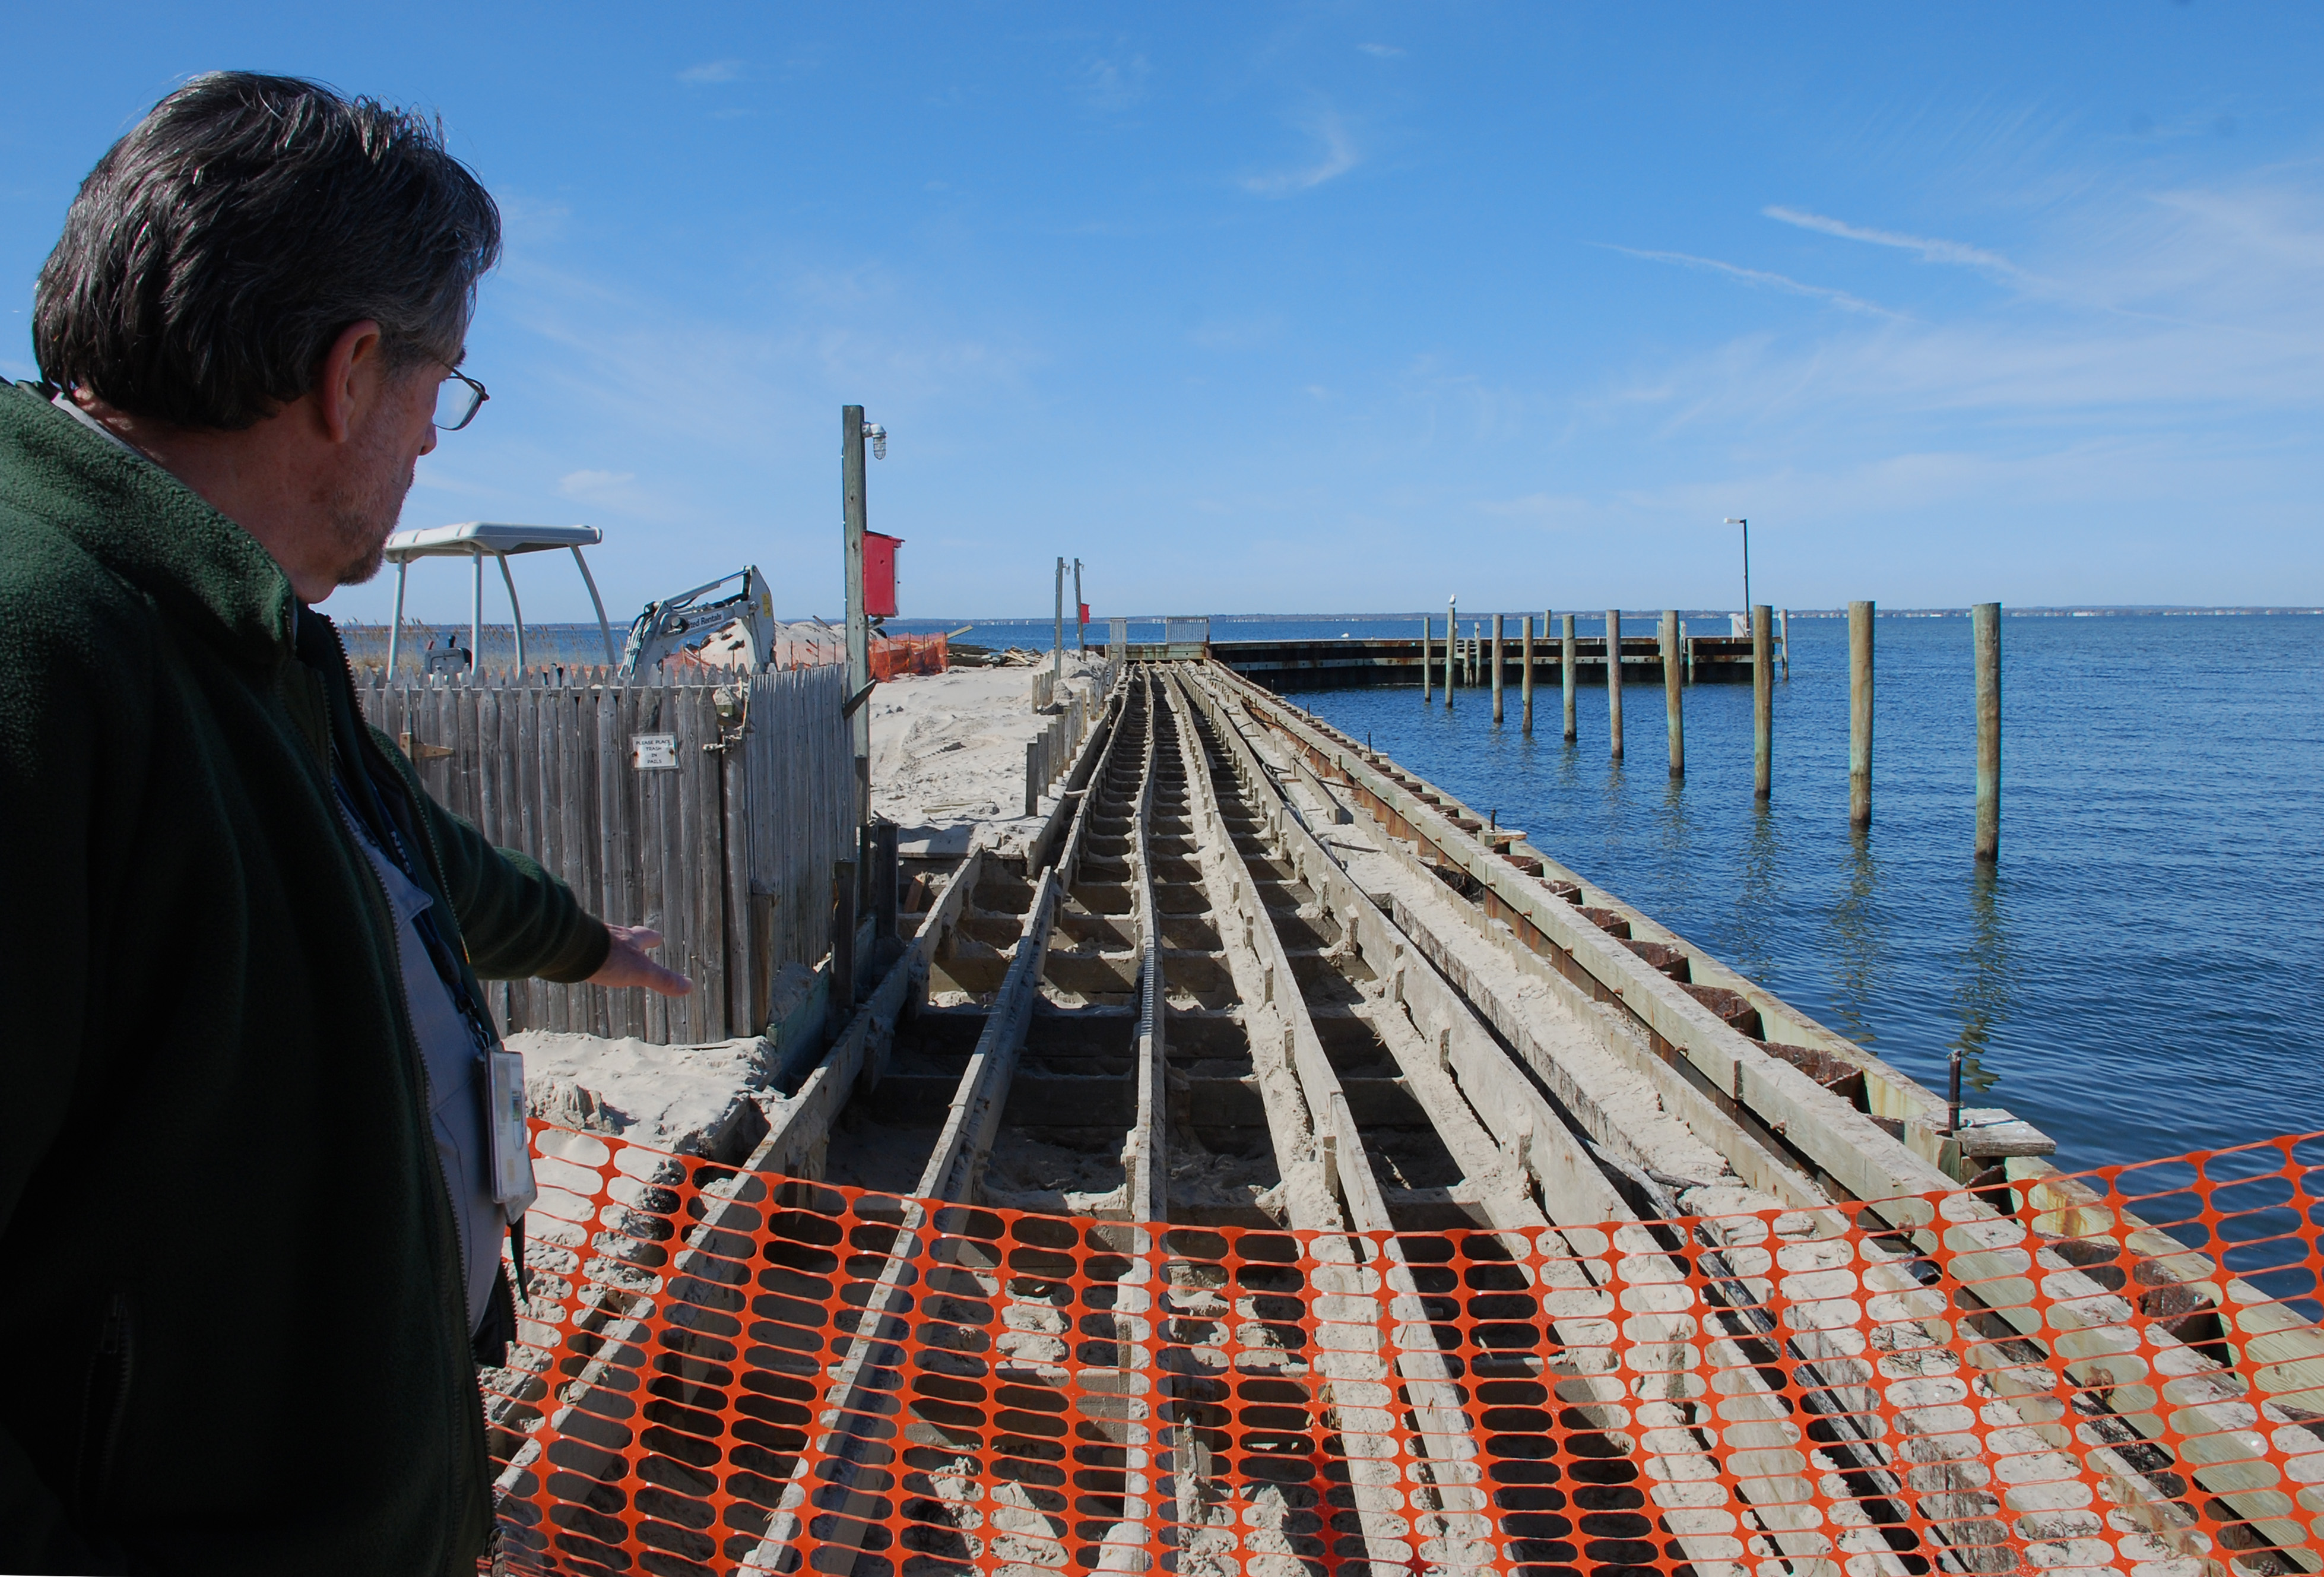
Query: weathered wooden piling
{"x": 1671, "y": 702}
{"x": 1525, "y": 685}
{"x": 841, "y": 1003}
{"x": 1427, "y": 693}
{"x": 1565, "y": 669}
{"x": 1476, "y": 650}
{"x": 1859, "y": 714}
{"x": 1783, "y": 640}
{"x": 1614, "y": 681}
{"x": 1763, "y": 701}
{"x": 1985, "y": 635}
{"x": 1451, "y": 644}
{"x": 1496, "y": 668}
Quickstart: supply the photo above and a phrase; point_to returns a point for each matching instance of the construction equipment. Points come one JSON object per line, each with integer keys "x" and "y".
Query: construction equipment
{"x": 687, "y": 621}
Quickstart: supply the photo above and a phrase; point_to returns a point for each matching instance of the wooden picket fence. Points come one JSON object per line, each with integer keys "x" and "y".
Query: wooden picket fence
{"x": 727, "y": 849}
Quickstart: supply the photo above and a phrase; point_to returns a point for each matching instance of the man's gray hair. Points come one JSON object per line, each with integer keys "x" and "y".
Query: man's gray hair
{"x": 219, "y": 250}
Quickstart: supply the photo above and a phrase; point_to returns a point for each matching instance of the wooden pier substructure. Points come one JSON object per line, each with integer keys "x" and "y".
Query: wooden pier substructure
{"x": 1349, "y": 664}
{"x": 1252, "y": 975}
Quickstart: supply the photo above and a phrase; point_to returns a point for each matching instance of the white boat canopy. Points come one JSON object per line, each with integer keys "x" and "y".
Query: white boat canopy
{"x": 478, "y": 540}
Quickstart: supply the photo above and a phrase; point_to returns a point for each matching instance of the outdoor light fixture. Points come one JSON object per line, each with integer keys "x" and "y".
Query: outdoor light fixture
{"x": 878, "y": 437}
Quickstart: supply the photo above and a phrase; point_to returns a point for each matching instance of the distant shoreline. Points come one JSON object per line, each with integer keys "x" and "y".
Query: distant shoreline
{"x": 921, "y": 625}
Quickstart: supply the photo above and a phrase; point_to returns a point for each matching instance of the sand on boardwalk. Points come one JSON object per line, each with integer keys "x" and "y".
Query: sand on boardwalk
{"x": 948, "y": 755}
{"x": 708, "y": 1100}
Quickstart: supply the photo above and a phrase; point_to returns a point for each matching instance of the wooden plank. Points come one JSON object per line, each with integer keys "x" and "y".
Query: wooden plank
{"x": 742, "y": 945}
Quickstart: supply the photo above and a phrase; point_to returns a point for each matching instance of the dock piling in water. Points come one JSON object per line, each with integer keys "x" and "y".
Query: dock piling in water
{"x": 1426, "y": 693}
{"x": 1614, "y": 681}
{"x": 1763, "y": 701}
{"x": 1784, "y": 641}
{"x": 1496, "y": 668}
{"x": 1452, "y": 643}
{"x": 1525, "y": 685}
{"x": 1985, "y": 635}
{"x": 1859, "y": 714}
{"x": 1671, "y": 702}
{"x": 1565, "y": 669}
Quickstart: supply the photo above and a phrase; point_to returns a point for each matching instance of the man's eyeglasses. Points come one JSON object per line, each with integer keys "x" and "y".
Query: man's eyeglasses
{"x": 458, "y": 400}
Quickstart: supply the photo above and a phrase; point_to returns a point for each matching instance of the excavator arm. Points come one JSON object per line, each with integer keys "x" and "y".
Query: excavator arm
{"x": 685, "y": 620}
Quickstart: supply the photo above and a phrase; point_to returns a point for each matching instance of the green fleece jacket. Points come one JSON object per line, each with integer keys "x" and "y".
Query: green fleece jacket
{"x": 229, "y": 1280}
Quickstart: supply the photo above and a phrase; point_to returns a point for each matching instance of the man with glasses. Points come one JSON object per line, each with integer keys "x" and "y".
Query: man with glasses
{"x": 252, "y": 1205}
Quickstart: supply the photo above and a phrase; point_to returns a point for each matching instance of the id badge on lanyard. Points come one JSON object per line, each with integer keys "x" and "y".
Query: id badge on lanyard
{"x": 505, "y": 1122}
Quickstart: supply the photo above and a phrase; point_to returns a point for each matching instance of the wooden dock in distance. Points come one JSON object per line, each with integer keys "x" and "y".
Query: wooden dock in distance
{"x": 1349, "y": 663}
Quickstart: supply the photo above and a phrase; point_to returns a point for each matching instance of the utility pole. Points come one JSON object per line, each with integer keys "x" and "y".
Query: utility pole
{"x": 1057, "y": 659}
{"x": 859, "y": 627}
{"x": 1081, "y": 625}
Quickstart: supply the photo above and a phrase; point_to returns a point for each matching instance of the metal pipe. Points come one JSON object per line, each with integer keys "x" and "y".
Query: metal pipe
{"x": 395, "y": 629}
{"x": 1057, "y": 657}
{"x": 612, "y": 657}
{"x": 515, "y": 612}
{"x": 1985, "y": 635}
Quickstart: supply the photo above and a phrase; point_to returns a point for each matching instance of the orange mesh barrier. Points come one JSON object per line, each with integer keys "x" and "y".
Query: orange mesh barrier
{"x": 906, "y": 654}
{"x": 727, "y": 1373}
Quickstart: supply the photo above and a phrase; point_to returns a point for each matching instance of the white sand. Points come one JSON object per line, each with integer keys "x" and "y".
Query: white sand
{"x": 693, "y": 1100}
{"x": 948, "y": 755}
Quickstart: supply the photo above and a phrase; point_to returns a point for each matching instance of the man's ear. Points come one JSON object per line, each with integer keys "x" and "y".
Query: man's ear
{"x": 349, "y": 377}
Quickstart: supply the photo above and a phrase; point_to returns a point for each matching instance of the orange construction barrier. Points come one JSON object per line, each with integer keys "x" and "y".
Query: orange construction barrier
{"x": 725, "y": 1372}
{"x": 906, "y": 654}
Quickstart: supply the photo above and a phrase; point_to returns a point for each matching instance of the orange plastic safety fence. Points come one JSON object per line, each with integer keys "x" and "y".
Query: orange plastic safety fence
{"x": 719, "y": 1373}
{"x": 906, "y": 654}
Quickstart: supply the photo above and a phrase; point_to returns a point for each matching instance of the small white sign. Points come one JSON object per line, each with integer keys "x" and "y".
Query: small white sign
{"x": 655, "y": 753}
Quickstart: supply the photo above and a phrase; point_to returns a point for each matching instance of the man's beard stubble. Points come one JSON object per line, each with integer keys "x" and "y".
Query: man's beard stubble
{"x": 361, "y": 519}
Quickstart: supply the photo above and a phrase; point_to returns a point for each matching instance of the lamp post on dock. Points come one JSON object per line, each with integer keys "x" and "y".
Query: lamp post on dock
{"x": 1738, "y": 521}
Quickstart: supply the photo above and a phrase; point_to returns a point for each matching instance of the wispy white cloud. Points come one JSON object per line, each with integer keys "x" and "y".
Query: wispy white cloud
{"x": 713, "y": 71}
{"x": 590, "y": 484}
{"x": 1111, "y": 84}
{"x": 1841, "y": 299}
{"x": 1959, "y": 253}
{"x": 1338, "y": 154}
{"x": 1380, "y": 52}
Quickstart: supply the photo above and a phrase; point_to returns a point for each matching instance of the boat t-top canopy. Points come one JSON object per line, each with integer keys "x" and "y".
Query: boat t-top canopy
{"x": 480, "y": 539}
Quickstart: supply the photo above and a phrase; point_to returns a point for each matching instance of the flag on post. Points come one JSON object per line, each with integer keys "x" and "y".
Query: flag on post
{"x": 1084, "y": 607}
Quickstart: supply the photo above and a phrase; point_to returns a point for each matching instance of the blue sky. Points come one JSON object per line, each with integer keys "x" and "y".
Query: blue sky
{"x": 1345, "y": 307}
